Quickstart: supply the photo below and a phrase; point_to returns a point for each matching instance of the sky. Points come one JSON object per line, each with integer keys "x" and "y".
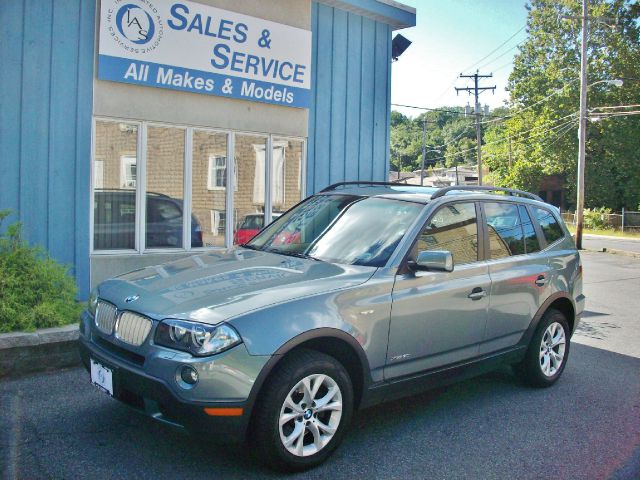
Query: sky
{"x": 451, "y": 37}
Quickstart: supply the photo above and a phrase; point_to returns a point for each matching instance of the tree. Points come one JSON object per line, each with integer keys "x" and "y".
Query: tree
{"x": 544, "y": 88}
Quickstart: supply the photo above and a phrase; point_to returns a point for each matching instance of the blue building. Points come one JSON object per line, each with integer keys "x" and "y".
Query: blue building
{"x": 135, "y": 132}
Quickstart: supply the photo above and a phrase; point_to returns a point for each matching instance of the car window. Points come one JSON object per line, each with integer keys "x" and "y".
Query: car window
{"x": 345, "y": 229}
{"x": 162, "y": 210}
{"x": 453, "y": 228}
{"x": 505, "y": 230}
{"x": 531, "y": 242}
{"x": 550, "y": 227}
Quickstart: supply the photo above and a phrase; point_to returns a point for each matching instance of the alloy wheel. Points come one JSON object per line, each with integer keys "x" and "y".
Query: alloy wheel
{"x": 552, "y": 349}
{"x": 310, "y": 415}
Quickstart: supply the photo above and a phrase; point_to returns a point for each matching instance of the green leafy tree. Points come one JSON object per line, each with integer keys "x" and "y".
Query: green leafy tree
{"x": 545, "y": 90}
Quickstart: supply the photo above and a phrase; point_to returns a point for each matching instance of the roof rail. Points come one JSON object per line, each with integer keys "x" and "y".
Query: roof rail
{"x": 443, "y": 191}
{"x": 367, "y": 183}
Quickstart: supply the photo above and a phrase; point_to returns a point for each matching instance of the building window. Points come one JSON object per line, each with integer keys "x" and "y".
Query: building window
{"x": 218, "y": 222}
{"x": 153, "y": 192}
{"x": 217, "y": 178}
{"x": 98, "y": 174}
{"x": 128, "y": 171}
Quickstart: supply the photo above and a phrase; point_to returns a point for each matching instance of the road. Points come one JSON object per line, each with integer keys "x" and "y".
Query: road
{"x": 55, "y": 425}
{"x": 598, "y": 242}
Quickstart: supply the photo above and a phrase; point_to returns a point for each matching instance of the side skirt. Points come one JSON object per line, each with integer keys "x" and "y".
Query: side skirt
{"x": 414, "y": 384}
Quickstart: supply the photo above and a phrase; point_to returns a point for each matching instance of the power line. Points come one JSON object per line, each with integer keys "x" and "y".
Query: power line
{"x": 495, "y": 49}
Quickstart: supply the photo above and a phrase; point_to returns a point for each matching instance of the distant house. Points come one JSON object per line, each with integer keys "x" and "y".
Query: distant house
{"x": 438, "y": 177}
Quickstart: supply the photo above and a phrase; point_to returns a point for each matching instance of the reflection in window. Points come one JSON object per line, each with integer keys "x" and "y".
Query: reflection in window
{"x": 208, "y": 194}
{"x": 217, "y": 177}
{"x": 550, "y": 227}
{"x": 114, "y": 196}
{"x": 453, "y": 228}
{"x": 249, "y": 198}
{"x": 165, "y": 180}
{"x": 505, "y": 230}
{"x": 286, "y": 173}
{"x": 532, "y": 244}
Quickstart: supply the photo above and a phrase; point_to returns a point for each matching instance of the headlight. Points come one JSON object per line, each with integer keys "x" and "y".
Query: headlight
{"x": 196, "y": 338}
{"x": 92, "y": 304}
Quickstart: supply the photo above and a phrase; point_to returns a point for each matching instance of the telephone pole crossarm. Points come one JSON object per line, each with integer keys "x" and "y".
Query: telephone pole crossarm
{"x": 477, "y": 90}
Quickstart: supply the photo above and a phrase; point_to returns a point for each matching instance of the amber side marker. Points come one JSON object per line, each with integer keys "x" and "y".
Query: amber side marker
{"x": 224, "y": 412}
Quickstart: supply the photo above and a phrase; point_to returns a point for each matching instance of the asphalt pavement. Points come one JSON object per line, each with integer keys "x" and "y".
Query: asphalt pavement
{"x": 57, "y": 426}
{"x": 598, "y": 242}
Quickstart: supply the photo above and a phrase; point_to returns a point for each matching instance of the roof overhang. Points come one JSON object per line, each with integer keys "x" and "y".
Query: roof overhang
{"x": 390, "y": 12}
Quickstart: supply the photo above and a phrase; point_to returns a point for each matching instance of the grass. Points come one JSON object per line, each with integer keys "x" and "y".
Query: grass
{"x": 611, "y": 233}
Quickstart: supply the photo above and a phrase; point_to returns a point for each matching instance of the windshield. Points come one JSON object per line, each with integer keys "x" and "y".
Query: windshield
{"x": 340, "y": 229}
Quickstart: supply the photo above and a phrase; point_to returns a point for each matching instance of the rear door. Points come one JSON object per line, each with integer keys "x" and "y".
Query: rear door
{"x": 519, "y": 273}
{"x": 439, "y": 318}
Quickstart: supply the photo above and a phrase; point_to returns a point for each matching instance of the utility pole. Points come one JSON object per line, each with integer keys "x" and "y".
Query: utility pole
{"x": 477, "y": 91}
{"x": 424, "y": 148}
{"x": 582, "y": 130}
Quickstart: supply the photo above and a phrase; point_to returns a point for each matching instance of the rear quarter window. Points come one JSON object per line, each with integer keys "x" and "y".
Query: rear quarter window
{"x": 551, "y": 229}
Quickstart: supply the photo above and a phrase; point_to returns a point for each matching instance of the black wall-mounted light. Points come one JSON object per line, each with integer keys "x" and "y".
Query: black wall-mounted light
{"x": 398, "y": 46}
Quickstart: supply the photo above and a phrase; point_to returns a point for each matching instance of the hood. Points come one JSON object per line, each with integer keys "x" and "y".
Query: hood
{"x": 217, "y": 286}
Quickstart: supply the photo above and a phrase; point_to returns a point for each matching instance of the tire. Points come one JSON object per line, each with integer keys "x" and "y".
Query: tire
{"x": 309, "y": 433}
{"x": 547, "y": 353}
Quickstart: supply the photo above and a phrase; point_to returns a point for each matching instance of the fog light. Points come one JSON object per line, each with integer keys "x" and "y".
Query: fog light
{"x": 189, "y": 375}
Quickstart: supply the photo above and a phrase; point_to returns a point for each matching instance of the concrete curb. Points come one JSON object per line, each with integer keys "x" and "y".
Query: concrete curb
{"x": 47, "y": 349}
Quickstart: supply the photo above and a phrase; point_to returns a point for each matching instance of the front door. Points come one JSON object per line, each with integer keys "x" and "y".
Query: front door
{"x": 439, "y": 318}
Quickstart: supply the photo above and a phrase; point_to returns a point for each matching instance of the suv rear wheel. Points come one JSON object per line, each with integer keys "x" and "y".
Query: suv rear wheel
{"x": 304, "y": 411}
{"x": 548, "y": 351}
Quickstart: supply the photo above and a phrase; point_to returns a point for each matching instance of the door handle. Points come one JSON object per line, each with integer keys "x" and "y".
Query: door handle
{"x": 477, "y": 293}
{"x": 541, "y": 281}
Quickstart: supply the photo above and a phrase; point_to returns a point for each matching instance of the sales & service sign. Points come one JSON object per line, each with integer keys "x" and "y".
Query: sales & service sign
{"x": 197, "y": 48}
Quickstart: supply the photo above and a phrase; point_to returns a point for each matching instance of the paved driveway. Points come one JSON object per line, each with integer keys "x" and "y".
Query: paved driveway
{"x": 57, "y": 426}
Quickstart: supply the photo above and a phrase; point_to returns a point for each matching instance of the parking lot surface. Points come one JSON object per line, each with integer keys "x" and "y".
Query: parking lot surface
{"x": 587, "y": 426}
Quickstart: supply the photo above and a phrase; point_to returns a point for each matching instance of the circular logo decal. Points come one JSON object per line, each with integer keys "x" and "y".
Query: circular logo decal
{"x": 135, "y": 24}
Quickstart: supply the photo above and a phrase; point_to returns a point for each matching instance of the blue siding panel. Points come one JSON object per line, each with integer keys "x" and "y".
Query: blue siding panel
{"x": 338, "y": 97}
{"x": 367, "y": 97}
{"x": 34, "y": 151}
{"x": 64, "y": 53}
{"x": 350, "y": 113}
{"x": 324, "y": 59}
{"x": 381, "y": 107}
{"x": 46, "y": 89}
{"x": 354, "y": 79}
{"x": 11, "y": 14}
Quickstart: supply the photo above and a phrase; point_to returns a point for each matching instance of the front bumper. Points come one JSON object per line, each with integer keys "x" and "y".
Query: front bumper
{"x": 142, "y": 387}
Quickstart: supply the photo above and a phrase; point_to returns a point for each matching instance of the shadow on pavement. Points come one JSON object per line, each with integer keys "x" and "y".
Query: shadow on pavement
{"x": 586, "y": 426}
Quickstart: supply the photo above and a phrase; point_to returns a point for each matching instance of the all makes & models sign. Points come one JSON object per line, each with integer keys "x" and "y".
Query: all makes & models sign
{"x": 197, "y": 48}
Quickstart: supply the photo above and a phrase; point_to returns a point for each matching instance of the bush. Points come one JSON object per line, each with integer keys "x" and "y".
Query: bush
{"x": 35, "y": 291}
{"x": 597, "y": 219}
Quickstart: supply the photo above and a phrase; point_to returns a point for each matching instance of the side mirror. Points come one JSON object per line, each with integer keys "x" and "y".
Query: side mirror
{"x": 438, "y": 260}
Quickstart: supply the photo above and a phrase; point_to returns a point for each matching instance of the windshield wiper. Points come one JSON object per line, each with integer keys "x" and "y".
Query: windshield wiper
{"x": 250, "y": 247}
{"x": 293, "y": 254}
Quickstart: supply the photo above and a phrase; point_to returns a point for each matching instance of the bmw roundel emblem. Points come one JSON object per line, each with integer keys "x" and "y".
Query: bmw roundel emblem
{"x": 131, "y": 298}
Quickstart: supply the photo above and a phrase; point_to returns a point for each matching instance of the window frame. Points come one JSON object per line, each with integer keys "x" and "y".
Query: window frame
{"x": 479, "y": 232}
{"x": 141, "y": 183}
{"x": 534, "y": 221}
{"x": 544, "y": 244}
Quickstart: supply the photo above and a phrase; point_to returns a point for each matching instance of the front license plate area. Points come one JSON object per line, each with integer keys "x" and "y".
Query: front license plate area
{"x": 102, "y": 377}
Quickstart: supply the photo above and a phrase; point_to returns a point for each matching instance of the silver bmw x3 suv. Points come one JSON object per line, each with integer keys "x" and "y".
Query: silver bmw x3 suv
{"x": 362, "y": 293}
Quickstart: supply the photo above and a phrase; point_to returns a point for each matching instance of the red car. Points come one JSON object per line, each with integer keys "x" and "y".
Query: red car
{"x": 250, "y": 226}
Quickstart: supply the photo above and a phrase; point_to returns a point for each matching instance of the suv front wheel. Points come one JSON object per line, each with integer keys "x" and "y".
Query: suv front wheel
{"x": 304, "y": 411}
{"x": 548, "y": 351}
